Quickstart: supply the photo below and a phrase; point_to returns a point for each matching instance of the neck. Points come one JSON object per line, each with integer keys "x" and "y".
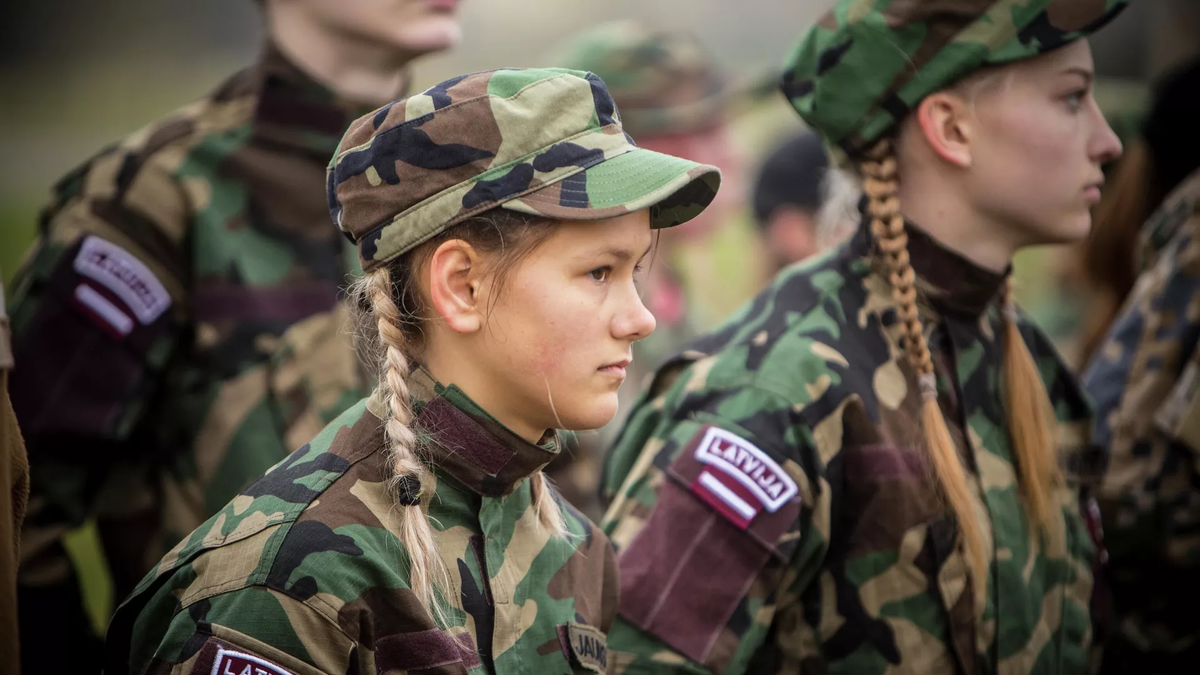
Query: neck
{"x": 359, "y": 71}
{"x": 449, "y": 367}
{"x": 943, "y": 215}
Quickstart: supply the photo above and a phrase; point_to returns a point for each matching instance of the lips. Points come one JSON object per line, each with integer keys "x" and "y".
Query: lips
{"x": 616, "y": 367}
{"x": 444, "y": 5}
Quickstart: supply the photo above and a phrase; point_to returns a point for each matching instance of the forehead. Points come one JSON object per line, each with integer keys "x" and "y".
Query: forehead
{"x": 1075, "y": 56}
{"x": 629, "y": 233}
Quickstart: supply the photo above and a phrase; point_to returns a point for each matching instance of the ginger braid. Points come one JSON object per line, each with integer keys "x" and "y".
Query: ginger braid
{"x": 1031, "y": 422}
{"x": 881, "y": 184}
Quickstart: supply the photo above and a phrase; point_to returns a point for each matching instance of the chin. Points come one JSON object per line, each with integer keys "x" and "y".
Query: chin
{"x": 429, "y": 34}
{"x": 591, "y": 414}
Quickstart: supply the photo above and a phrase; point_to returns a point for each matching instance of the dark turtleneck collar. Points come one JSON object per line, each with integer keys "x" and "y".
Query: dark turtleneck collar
{"x": 464, "y": 441}
{"x": 947, "y": 279}
{"x": 295, "y": 110}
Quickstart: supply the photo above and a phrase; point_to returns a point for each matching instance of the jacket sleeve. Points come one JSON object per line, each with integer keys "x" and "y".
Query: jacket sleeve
{"x": 722, "y": 522}
{"x": 96, "y": 315}
{"x": 271, "y": 631}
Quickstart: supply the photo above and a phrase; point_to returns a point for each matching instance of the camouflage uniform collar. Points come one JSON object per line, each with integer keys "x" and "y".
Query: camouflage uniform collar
{"x": 470, "y": 445}
{"x": 295, "y": 110}
{"x": 949, "y": 281}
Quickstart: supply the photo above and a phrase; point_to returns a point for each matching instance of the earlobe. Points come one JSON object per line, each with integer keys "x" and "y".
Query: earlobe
{"x": 453, "y": 286}
{"x": 946, "y": 128}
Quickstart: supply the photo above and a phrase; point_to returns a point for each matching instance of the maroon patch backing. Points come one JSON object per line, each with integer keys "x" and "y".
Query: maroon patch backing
{"x": 684, "y": 574}
{"x": 218, "y": 657}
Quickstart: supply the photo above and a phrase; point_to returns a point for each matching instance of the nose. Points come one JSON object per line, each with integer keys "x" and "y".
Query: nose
{"x": 632, "y": 321}
{"x": 1106, "y": 145}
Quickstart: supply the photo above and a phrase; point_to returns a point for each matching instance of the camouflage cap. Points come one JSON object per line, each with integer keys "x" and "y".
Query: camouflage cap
{"x": 663, "y": 81}
{"x": 540, "y": 141}
{"x": 866, "y": 63}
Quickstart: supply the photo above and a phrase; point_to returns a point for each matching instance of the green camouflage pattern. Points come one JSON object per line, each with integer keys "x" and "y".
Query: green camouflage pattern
{"x": 144, "y": 436}
{"x": 1145, "y": 378}
{"x": 546, "y": 142}
{"x": 866, "y": 63}
{"x": 307, "y": 567}
{"x": 664, "y": 82}
{"x": 860, "y": 572}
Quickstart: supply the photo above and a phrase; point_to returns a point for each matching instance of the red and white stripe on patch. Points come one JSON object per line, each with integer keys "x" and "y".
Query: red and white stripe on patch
{"x": 128, "y": 278}
{"x": 229, "y": 662}
{"x": 739, "y": 479}
{"x": 103, "y": 311}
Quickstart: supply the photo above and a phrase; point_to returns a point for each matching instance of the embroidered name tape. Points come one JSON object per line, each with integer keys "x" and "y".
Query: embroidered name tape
{"x": 229, "y": 662}
{"x": 127, "y": 277}
{"x": 740, "y": 480}
{"x": 585, "y": 645}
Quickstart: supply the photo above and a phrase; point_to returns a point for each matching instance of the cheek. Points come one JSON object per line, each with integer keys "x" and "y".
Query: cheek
{"x": 1036, "y": 152}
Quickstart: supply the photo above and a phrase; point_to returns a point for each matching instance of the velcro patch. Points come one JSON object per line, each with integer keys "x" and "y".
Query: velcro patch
{"x": 107, "y": 313}
{"x": 739, "y": 479}
{"x": 229, "y": 662}
{"x": 585, "y": 645}
{"x": 127, "y": 277}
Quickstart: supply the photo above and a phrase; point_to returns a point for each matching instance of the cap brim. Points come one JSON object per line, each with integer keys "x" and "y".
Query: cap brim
{"x": 675, "y": 190}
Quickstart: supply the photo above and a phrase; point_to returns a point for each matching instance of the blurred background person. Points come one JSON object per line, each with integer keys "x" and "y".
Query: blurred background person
{"x": 1144, "y": 375}
{"x": 673, "y": 98}
{"x": 1164, "y": 152}
{"x": 178, "y": 325}
{"x": 789, "y": 197}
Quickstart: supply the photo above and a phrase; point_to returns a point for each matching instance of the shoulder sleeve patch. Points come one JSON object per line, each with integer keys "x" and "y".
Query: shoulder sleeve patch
{"x": 739, "y": 479}
{"x": 127, "y": 277}
{"x": 231, "y": 662}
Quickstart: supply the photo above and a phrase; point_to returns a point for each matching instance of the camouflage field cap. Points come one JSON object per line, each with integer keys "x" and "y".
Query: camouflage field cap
{"x": 866, "y": 63}
{"x": 664, "y": 81}
{"x": 539, "y": 141}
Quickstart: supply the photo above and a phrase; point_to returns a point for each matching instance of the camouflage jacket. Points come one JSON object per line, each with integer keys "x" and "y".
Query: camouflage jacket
{"x": 774, "y": 513}
{"x": 306, "y": 570}
{"x": 1145, "y": 378}
{"x": 178, "y": 329}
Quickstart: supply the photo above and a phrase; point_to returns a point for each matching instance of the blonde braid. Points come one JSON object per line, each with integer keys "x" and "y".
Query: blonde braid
{"x": 546, "y": 507}
{"x": 881, "y": 184}
{"x": 1030, "y": 421}
{"x": 427, "y": 571}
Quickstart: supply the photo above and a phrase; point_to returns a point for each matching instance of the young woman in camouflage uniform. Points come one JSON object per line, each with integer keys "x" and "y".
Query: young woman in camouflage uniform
{"x": 861, "y": 472}
{"x": 417, "y": 533}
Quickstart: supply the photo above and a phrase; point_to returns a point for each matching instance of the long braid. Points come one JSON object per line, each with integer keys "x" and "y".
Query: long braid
{"x": 410, "y": 477}
{"x": 546, "y": 507}
{"x": 881, "y": 184}
{"x": 1030, "y": 421}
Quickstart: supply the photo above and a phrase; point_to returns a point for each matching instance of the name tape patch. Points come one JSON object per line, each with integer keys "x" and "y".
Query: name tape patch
{"x": 589, "y": 646}
{"x": 127, "y": 277}
{"x": 740, "y": 476}
{"x": 229, "y": 662}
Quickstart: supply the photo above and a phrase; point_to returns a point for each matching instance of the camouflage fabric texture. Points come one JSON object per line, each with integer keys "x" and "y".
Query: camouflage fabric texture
{"x": 774, "y": 511}
{"x": 666, "y": 82}
{"x": 866, "y": 63}
{"x": 14, "y": 481}
{"x": 1145, "y": 379}
{"x": 546, "y": 142}
{"x": 179, "y": 331}
{"x": 305, "y": 571}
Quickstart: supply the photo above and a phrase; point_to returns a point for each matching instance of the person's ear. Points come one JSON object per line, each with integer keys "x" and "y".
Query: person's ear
{"x": 454, "y": 286}
{"x": 948, "y": 127}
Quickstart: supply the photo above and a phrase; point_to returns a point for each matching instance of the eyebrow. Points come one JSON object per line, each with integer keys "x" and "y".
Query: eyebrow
{"x": 1082, "y": 72}
{"x": 618, "y": 252}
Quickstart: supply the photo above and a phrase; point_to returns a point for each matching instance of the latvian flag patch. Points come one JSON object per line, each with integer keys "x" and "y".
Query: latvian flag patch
{"x": 739, "y": 479}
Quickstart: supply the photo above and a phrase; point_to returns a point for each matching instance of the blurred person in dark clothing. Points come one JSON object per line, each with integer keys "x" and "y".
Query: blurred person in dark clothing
{"x": 179, "y": 327}
{"x": 788, "y": 198}
{"x": 1144, "y": 377}
{"x": 1153, "y": 165}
